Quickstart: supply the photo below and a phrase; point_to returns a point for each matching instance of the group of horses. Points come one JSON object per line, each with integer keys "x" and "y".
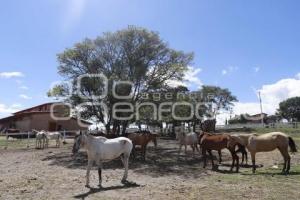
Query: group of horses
{"x": 236, "y": 143}
{"x": 101, "y": 149}
{"x": 42, "y": 139}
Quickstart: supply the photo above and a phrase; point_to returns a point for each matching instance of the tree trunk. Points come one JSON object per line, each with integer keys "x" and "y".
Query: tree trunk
{"x": 124, "y": 125}
{"x": 107, "y": 127}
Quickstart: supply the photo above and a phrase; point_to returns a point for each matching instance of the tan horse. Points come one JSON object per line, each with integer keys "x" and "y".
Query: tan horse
{"x": 268, "y": 142}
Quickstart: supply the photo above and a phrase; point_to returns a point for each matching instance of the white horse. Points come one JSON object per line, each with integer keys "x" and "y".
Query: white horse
{"x": 40, "y": 139}
{"x": 187, "y": 139}
{"x": 53, "y": 136}
{"x": 100, "y": 150}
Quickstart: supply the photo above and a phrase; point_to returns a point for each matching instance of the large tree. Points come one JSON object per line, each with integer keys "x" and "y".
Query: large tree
{"x": 133, "y": 54}
{"x": 219, "y": 98}
{"x": 290, "y": 109}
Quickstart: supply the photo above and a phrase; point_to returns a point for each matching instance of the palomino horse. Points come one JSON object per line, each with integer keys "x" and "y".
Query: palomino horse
{"x": 100, "y": 150}
{"x": 268, "y": 142}
{"x": 187, "y": 139}
{"x": 218, "y": 142}
{"x": 142, "y": 139}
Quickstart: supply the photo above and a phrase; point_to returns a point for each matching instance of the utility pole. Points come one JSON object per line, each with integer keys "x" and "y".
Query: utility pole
{"x": 261, "y": 109}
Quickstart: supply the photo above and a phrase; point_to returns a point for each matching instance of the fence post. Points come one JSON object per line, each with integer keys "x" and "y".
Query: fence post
{"x": 6, "y": 143}
{"x": 28, "y": 136}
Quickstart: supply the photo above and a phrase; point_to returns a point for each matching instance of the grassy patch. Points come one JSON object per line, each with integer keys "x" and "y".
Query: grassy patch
{"x": 291, "y": 131}
{"x": 16, "y": 143}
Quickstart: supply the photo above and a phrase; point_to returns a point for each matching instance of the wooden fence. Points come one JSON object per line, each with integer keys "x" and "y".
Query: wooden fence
{"x": 27, "y": 137}
{"x": 270, "y": 125}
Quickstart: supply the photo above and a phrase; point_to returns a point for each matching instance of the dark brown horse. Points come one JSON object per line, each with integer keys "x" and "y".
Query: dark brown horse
{"x": 142, "y": 139}
{"x": 241, "y": 149}
{"x": 218, "y": 142}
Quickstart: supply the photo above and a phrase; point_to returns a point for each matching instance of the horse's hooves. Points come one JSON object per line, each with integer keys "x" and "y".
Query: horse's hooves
{"x": 124, "y": 181}
{"x": 87, "y": 186}
{"x": 100, "y": 186}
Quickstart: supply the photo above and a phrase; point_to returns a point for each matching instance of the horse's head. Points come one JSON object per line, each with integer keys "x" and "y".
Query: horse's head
{"x": 79, "y": 141}
{"x": 201, "y": 135}
{"x": 234, "y": 140}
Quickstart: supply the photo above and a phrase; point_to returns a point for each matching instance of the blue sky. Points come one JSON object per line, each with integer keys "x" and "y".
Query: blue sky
{"x": 241, "y": 45}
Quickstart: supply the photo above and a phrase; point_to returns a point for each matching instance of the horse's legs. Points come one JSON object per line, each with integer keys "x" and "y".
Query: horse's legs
{"x": 212, "y": 159}
{"x": 196, "y": 145}
{"x": 288, "y": 164}
{"x": 100, "y": 166}
{"x": 204, "y": 157}
{"x": 253, "y": 162}
{"x": 287, "y": 159}
{"x": 220, "y": 156}
{"x": 133, "y": 151}
{"x": 144, "y": 152}
{"x": 193, "y": 147}
{"x": 90, "y": 163}
{"x": 180, "y": 146}
{"x": 235, "y": 158}
{"x": 125, "y": 162}
{"x": 245, "y": 155}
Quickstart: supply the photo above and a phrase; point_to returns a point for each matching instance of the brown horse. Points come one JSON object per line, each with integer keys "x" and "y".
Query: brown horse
{"x": 142, "y": 139}
{"x": 209, "y": 142}
{"x": 241, "y": 149}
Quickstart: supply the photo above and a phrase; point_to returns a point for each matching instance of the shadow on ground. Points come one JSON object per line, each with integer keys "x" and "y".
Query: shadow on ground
{"x": 163, "y": 161}
{"x": 97, "y": 190}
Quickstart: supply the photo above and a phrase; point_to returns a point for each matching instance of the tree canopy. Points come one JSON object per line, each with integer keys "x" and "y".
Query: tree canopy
{"x": 290, "y": 109}
{"x": 132, "y": 54}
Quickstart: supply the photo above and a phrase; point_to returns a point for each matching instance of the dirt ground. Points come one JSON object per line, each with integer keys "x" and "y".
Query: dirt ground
{"x": 55, "y": 174}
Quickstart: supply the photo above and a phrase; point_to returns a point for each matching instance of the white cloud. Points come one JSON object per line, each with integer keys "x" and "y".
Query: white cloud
{"x": 23, "y": 87}
{"x": 73, "y": 12}
{"x": 271, "y": 94}
{"x": 24, "y": 96}
{"x": 11, "y": 74}
{"x": 6, "y": 110}
{"x": 229, "y": 70}
{"x": 298, "y": 76}
{"x": 256, "y": 69}
{"x": 224, "y": 72}
{"x": 175, "y": 83}
{"x": 190, "y": 79}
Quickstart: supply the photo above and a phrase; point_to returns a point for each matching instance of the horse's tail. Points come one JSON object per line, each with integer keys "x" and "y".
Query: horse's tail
{"x": 292, "y": 145}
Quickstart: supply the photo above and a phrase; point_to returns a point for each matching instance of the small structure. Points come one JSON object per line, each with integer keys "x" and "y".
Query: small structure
{"x": 40, "y": 118}
{"x": 248, "y": 119}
